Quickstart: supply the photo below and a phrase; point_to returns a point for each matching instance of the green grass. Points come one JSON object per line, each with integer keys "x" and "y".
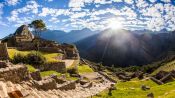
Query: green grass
{"x": 31, "y": 68}
{"x": 48, "y": 73}
{"x": 84, "y": 69}
{"x": 50, "y": 57}
{"x": 166, "y": 67}
{"x": 132, "y": 89}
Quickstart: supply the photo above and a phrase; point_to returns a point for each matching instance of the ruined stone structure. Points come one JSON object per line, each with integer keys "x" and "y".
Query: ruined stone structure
{"x": 70, "y": 51}
{"x": 56, "y": 66}
{"x": 23, "y": 34}
{"x": 14, "y": 73}
{"x": 3, "y": 51}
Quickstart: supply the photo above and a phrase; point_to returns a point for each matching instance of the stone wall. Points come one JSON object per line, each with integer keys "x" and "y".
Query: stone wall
{"x": 3, "y": 51}
{"x": 16, "y": 73}
{"x": 67, "y": 85}
{"x": 45, "y": 84}
{"x": 55, "y": 66}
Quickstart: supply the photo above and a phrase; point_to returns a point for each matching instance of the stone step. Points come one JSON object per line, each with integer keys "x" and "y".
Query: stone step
{"x": 3, "y": 90}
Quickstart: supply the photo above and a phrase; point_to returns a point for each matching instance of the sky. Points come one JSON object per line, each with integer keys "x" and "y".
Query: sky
{"x": 69, "y": 15}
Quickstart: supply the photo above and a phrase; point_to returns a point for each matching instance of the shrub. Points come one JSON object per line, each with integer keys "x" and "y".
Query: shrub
{"x": 19, "y": 58}
{"x": 35, "y": 58}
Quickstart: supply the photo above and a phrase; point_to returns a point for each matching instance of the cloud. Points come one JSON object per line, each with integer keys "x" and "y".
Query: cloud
{"x": 12, "y": 2}
{"x": 19, "y": 16}
{"x": 129, "y": 1}
{"x": 53, "y": 12}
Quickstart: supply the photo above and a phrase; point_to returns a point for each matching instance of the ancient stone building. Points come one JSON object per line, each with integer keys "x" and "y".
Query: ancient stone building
{"x": 23, "y": 34}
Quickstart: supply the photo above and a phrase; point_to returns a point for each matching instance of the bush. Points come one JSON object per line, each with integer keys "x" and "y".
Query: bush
{"x": 35, "y": 58}
{"x": 19, "y": 58}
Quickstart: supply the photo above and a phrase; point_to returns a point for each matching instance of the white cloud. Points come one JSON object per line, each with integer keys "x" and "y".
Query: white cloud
{"x": 12, "y": 2}
{"x": 53, "y": 12}
{"x": 30, "y": 8}
{"x": 54, "y": 20}
{"x": 166, "y": 1}
{"x": 129, "y": 1}
{"x": 152, "y": 1}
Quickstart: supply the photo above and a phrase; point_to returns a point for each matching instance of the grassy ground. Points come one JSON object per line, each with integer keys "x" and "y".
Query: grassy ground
{"x": 50, "y": 57}
{"x": 84, "y": 69}
{"x": 132, "y": 89}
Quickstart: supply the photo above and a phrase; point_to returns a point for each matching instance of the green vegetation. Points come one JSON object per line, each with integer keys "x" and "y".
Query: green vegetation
{"x": 31, "y": 68}
{"x": 50, "y": 57}
{"x": 84, "y": 69}
{"x": 48, "y": 73}
{"x": 132, "y": 89}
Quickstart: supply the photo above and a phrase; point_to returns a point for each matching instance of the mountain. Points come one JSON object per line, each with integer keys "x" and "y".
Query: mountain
{"x": 67, "y": 37}
{"x": 125, "y": 48}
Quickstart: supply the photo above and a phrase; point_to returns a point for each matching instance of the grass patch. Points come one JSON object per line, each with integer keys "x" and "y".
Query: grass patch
{"x": 31, "y": 68}
{"x": 132, "y": 89}
{"x": 50, "y": 57}
{"x": 48, "y": 73}
{"x": 84, "y": 69}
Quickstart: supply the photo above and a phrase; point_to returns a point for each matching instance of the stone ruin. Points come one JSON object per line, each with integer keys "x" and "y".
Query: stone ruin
{"x": 3, "y": 52}
{"x": 163, "y": 77}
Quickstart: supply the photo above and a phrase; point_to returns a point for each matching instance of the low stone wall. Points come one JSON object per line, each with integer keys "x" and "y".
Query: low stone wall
{"x": 107, "y": 77}
{"x": 51, "y": 49}
{"x": 15, "y": 74}
{"x": 55, "y": 66}
{"x": 68, "y": 85}
{"x": 45, "y": 84}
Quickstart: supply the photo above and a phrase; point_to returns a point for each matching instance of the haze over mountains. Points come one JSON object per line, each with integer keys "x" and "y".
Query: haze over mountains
{"x": 120, "y": 47}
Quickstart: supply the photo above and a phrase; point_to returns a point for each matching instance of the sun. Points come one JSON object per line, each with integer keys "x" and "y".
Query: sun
{"x": 115, "y": 24}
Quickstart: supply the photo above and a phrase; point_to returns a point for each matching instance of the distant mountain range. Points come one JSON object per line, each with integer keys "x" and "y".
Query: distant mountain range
{"x": 123, "y": 48}
{"x": 68, "y": 37}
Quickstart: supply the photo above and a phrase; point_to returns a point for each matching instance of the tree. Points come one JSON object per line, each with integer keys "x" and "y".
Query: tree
{"x": 38, "y": 26}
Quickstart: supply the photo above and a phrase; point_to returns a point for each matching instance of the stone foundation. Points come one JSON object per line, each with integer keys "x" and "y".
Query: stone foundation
{"x": 57, "y": 66}
{"x": 67, "y": 85}
{"x": 45, "y": 84}
{"x": 16, "y": 73}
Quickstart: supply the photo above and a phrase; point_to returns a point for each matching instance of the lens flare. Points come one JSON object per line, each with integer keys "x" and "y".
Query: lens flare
{"x": 115, "y": 24}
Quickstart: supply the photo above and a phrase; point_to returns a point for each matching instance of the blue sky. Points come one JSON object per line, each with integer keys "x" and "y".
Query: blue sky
{"x": 69, "y": 15}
